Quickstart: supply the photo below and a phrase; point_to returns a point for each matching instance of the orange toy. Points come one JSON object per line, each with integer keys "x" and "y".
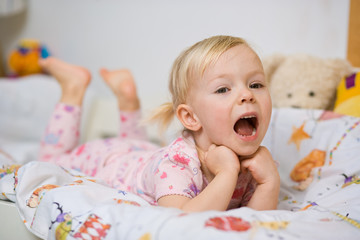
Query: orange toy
{"x": 24, "y": 60}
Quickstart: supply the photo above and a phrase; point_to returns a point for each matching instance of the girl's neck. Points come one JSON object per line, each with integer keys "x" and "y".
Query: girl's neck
{"x": 202, "y": 156}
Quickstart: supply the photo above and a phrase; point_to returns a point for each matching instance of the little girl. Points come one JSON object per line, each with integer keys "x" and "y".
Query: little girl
{"x": 220, "y": 96}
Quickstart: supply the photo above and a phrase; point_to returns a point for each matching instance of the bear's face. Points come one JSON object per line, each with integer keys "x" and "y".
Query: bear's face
{"x": 305, "y": 82}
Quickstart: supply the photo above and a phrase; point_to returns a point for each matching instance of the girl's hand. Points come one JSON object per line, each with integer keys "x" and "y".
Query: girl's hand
{"x": 221, "y": 159}
{"x": 261, "y": 166}
{"x": 263, "y": 169}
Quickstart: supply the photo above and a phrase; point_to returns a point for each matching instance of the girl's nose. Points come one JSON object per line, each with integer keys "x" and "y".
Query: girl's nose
{"x": 246, "y": 96}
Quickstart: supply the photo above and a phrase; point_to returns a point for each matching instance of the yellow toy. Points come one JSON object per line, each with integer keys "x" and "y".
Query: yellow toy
{"x": 24, "y": 60}
{"x": 348, "y": 95}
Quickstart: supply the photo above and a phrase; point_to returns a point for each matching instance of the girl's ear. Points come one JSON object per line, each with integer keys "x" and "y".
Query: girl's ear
{"x": 187, "y": 117}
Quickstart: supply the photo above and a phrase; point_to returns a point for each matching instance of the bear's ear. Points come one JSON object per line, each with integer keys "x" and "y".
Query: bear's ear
{"x": 271, "y": 63}
{"x": 341, "y": 68}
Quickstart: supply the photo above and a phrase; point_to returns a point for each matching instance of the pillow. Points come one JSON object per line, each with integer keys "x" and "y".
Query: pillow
{"x": 26, "y": 105}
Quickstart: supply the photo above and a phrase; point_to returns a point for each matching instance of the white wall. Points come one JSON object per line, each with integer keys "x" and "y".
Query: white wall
{"x": 146, "y": 36}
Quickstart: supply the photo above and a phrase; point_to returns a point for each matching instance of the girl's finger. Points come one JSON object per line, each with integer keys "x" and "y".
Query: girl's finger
{"x": 244, "y": 165}
{"x": 212, "y": 146}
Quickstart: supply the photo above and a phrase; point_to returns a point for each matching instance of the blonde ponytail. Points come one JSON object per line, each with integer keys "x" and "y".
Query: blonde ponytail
{"x": 163, "y": 115}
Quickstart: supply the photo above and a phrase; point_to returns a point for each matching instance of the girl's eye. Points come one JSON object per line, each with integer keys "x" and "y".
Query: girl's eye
{"x": 222, "y": 90}
{"x": 256, "y": 85}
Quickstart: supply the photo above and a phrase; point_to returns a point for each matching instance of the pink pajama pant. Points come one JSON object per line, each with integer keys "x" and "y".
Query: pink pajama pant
{"x": 60, "y": 142}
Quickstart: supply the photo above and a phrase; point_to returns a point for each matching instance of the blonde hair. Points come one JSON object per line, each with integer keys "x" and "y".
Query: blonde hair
{"x": 188, "y": 66}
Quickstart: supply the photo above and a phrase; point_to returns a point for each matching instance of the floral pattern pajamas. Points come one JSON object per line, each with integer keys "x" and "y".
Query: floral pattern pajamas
{"x": 129, "y": 162}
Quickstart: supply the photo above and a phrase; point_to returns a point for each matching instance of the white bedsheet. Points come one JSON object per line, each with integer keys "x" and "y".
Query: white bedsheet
{"x": 328, "y": 207}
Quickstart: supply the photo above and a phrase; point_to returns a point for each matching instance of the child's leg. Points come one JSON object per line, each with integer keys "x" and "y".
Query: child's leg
{"x": 122, "y": 83}
{"x": 62, "y": 134}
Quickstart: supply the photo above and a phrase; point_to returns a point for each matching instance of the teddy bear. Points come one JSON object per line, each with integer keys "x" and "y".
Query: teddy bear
{"x": 303, "y": 80}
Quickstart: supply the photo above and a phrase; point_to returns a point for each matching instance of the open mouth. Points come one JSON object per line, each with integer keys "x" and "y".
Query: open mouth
{"x": 246, "y": 126}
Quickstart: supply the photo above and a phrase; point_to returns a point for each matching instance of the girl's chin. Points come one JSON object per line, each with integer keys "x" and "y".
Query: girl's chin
{"x": 247, "y": 152}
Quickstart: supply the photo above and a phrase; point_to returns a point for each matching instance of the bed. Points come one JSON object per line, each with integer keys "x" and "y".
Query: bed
{"x": 318, "y": 154}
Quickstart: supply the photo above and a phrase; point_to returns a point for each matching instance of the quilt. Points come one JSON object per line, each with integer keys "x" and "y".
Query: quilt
{"x": 319, "y": 165}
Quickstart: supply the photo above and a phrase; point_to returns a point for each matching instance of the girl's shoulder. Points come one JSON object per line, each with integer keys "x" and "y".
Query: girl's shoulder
{"x": 183, "y": 151}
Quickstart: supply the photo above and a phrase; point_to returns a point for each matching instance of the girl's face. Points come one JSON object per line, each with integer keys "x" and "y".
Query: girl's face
{"x": 231, "y": 102}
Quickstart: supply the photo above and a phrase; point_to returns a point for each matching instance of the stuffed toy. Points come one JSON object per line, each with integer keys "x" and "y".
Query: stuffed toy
{"x": 24, "y": 59}
{"x": 304, "y": 81}
{"x": 348, "y": 95}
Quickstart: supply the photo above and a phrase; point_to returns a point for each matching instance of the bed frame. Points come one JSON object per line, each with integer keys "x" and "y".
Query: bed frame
{"x": 353, "y": 50}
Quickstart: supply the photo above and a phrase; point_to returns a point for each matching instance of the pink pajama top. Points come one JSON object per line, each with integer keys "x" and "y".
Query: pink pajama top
{"x": 171, "y": 170}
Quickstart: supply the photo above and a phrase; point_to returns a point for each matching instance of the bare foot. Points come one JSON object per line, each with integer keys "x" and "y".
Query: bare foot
{"x": 72, "y": 79}
{"x": 122, "y": 83}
